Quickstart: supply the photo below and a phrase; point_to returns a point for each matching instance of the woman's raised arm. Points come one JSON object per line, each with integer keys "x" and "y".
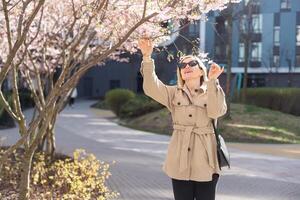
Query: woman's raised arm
{"x": 153, "y": 87}
{"x": 216, "y": 105}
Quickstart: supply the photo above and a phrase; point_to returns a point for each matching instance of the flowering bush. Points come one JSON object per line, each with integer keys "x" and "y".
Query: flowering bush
{"x": 80, "y": 177}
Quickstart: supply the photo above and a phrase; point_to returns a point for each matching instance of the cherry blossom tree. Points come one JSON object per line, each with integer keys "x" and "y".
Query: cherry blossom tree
{"x": 40, "y": 38}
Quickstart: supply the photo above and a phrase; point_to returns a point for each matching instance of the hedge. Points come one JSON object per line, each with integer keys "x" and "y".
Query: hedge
{"x": 139, "y": 106}
{"x": 282, "y": 99}
{"x": 117, "y": 97}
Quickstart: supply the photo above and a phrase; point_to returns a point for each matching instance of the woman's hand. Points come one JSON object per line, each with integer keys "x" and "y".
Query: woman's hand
{"x": 215, "y": 71}
{"x": 146, "y": 46}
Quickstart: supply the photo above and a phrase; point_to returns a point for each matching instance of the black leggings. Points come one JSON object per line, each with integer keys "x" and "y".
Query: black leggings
{"x": 190, "y": 190}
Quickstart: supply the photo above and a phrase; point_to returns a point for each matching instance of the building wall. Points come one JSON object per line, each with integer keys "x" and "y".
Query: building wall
{"x": 287, "y": 37}
{"x": 100, "y": 79}
{"x": 210, "y": 35}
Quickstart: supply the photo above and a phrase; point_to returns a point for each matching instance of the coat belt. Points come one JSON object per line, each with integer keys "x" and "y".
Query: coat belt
{"x": 188, "y": 130}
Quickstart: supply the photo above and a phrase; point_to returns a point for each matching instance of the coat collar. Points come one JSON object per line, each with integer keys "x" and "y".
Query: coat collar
{"x": 201, "y": 90}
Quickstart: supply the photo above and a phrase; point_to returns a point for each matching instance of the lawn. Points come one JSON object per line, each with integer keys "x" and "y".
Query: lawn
{"x": 248, "y": 123}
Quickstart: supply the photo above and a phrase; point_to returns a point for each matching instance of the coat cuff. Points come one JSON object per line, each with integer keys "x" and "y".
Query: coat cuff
{"x": 147, "y": 59}
{"x": 148, "y": 63}
{"x": 213, "y": 83}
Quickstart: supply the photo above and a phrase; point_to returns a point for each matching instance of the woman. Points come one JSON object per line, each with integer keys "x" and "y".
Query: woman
{"x": 72, "y": 97}
{"x": 191, "y": 160}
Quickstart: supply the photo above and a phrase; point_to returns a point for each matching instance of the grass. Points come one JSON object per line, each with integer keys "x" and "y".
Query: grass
{"x": 248, "y": 123}
{"x": 101, "y": 105}
{"x": 157, "y": 122}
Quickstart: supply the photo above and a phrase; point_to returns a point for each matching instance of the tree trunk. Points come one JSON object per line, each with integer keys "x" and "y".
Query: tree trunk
{"x": 50, "y": 137}
{"x": 42, "y": 142}
{"x": 50, "y": 143}
{"x": 247, "y": 63}
{"x": 24, "y": 187}
{"x": 229, "y": 64}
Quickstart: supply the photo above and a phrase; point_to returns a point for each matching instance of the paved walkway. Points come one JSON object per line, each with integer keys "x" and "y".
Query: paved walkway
{"x": 285, "y": 150}
{"x": 137, "y": 174}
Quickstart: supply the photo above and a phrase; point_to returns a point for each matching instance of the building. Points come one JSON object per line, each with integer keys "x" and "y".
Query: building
{"x": 275, "y": 41}
{"x": 274, "y": 50}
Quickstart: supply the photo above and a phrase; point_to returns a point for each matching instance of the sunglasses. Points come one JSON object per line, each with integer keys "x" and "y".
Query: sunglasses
{"x": 192, "y": 63}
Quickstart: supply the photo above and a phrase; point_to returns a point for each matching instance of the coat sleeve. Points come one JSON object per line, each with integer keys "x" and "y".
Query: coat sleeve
{"x": 153, "y": 87}
{"x": 216, "y": 105}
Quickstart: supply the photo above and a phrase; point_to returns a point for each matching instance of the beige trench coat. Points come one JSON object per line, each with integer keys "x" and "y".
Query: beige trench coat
{"x": 191, "y": 151}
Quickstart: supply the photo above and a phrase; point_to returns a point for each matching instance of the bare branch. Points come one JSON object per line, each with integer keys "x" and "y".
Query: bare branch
{"x": 7, "y": 107}
{"x": 18, "y": 43}
{"x": 7, "y": 22}
{"x": 145, "y": 8}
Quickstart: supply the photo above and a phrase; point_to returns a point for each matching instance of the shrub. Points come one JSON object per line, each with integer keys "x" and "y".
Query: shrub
{"x": 281, "y": 99}
{"x": 117, "y": 97}
{"x": 6, "y": 120}
{"x": 139, "y": 106}
{"x": 101, "y": 105}
{"x": 26, "y": 101}
{"x": 26, "y": 98}
{"x": 80, "y": 177}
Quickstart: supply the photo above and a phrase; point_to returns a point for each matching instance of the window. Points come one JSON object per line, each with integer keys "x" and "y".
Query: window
{"x": 221, "y": 24}
{"x": 257, "y": 23}
{"x": 276, "y": 35}
{"x": 218, "y": 50}
{"x": 243, "y": 24}
{"x": 298, "y": 36}
{"x": 256, "y": 51}
{"x": 221, "y": 52}
{"x": 241, "y": 52}
{"x": 252, "y": 2}
{"x": 277, "y": 19}
{"x": 194, "y": 27}
{"x": 254, "y": 81}
{"x": 285, "y": 4}
{"x": 297, "y": 60}
{"x": 276, "y": 61}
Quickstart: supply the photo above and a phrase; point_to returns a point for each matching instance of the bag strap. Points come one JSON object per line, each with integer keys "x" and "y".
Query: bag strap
{"x": 216, "y": 133}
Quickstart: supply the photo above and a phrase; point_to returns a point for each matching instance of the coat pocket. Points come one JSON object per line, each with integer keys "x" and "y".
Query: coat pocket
{"x": 180, "y": 100}
{"x": 181, "y": 105}
{"x": 201, "y": 101}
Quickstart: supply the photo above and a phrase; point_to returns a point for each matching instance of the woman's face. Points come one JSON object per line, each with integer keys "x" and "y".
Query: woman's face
{"x": 189, "y": 72}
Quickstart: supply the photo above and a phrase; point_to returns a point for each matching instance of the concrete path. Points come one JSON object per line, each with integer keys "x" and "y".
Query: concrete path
{"x": 139, "y": 155}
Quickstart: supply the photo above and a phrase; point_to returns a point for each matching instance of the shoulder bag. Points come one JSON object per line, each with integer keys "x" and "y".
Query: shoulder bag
{"x": 222, "y": 151}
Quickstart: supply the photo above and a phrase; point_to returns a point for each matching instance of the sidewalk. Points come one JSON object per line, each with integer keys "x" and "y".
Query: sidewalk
{"x": 284, "y": 150}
